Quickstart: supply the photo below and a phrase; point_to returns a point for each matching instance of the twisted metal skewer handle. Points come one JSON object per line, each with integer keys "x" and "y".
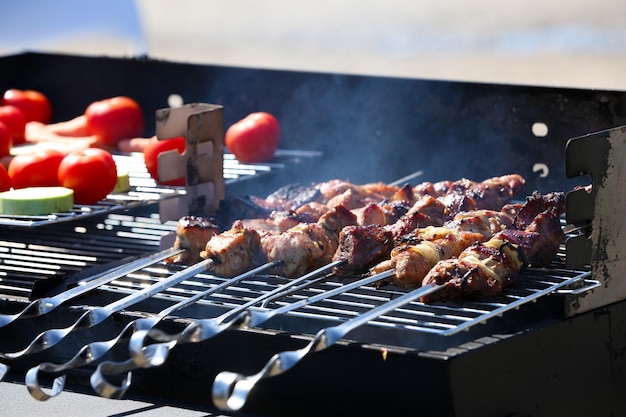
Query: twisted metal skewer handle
{"x": 87, "y": 354}
{"x": 146, "y": 356}
{"x": 51, "y": 337}
{"x": 156, "y": 354}
{"x": 45, "y": 305}
{"x": 231, "y": 390}
{"x": 201, "y": 330}
{"x": 93, "y": 317}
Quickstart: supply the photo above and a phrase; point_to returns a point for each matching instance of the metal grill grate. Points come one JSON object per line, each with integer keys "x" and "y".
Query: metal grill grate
{"x": 442, "y": 318}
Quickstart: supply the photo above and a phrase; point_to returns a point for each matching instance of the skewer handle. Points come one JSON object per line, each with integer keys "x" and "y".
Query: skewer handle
{"x": 231, "y": 390}
{"x": 45, "y": 305}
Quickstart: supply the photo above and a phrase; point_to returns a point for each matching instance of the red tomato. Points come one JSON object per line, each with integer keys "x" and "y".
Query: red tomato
{"x": 114, "y": 119}
{"x": 5, "y": 140}
{"x": 91, "y": 173}
{"x": 254, "y": 138}
{"x": 15, "y": 121}
{"x": 35, "y": 105}
{"x": 5, "y": 180}
{"x": 37, "y": 169}
{"x": 151, "y": 157}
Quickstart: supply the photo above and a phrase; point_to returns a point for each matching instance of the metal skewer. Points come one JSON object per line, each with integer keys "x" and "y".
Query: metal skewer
{"x": 231, "y": 390}
{"x": 92, "y": 317}
{"x": 43, "y": 306}
{"x": 201, "y": 330}
{"x": 95, "y": 350}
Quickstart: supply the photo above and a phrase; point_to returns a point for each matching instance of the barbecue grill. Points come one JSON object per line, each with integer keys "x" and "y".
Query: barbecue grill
{"x": 551, "y": 345}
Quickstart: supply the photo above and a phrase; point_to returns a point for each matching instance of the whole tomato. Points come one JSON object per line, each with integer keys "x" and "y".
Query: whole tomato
{"x": 114, "y": 119}
{"x": 15, "y": 120}
{"x": 5, "y": 180}
{"x": 254, "y": 138}
{"x": 37, "y": 169}
{"x": 5, "y": 140}
{"x": 151, "y": 157}
{"x": 91, "y": 173}
{"x": 35, "y": 105}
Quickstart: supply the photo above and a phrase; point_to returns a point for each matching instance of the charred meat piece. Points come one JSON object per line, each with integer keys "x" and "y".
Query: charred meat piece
{"x": 362, "y": 247}
{"x": 234, "y": 251}
{"x": 378, "y": 242}
{"x": 537, "y": 203}
{"x": 192, "y": 233}
{"x": 456, "y": 203}
{"x": 394, "y": 210}
{"x": 405, "y": 193}
{"x": 541, "y": 252}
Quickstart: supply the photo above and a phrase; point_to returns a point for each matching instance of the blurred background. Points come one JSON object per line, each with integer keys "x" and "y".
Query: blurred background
{"x": 571, "y": 43}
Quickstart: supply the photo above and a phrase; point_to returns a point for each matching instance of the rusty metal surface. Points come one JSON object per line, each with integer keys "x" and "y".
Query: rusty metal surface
{"x": 601, "y": 155}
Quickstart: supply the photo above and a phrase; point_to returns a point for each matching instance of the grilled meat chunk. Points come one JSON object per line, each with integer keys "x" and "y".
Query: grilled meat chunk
{"x": 192, "y": 233}
{"x": 432, "y": 207}
{"x": 537, "y": 203}
{"x": 370, "y": 214}
{"x": 302, "y": 248}
{"x": 234, "y": 251}
{"x": 362, "y": 247}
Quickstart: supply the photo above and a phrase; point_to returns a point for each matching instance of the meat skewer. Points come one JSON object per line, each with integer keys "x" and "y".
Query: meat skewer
{"x": 364, "y": 247}
{"x": 487, "y": 268}
{"x": 418, "y": 252}
{"x": 308, "y": 245}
